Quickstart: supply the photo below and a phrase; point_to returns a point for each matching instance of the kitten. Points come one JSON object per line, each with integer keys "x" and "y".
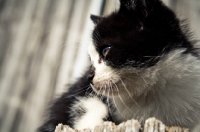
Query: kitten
{"x": 142, "y": 65}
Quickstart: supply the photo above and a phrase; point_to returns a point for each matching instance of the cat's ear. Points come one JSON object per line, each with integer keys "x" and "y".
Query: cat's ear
{"x": 142, "y": 7}
{"x": 95, "y": 19}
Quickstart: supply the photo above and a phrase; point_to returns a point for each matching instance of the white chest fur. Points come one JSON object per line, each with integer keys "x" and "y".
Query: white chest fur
{"x": 95, "y": 111}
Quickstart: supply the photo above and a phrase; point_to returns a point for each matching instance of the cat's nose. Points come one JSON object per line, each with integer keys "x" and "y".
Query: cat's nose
{"x": 91, "y": 74}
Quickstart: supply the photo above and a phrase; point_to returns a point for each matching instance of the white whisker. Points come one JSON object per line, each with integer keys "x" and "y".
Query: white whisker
{"x": 101, "y": 97}
{"x": 129, "y": 93}
{"x": 108, "y": 97}
{"x": 143, "y": 79}
{"x": 116, "y": 105}
{"x": 76, "y": 93}
{"x": 121, "y": 98}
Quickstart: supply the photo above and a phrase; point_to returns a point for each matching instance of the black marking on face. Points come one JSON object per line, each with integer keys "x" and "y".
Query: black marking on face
{"x": 140, "y": 34}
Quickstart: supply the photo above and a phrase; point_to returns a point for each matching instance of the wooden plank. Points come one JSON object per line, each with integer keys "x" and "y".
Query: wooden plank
{"x": 128, "y": 126}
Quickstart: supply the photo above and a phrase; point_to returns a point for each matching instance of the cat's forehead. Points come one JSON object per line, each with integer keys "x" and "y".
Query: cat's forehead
{"x": 117, "y": 21}
{"x": 114, "y": 26}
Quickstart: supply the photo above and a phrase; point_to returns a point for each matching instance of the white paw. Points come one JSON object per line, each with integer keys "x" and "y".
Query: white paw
{"x": 153, "y": 125}
{"x": 129, "y": 126}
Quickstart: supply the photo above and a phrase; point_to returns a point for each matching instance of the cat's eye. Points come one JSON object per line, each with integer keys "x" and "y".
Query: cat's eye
{"x": 105, "y": 51}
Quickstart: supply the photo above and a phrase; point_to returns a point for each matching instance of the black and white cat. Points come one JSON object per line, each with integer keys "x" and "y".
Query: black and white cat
{"x": 142, "y": 65}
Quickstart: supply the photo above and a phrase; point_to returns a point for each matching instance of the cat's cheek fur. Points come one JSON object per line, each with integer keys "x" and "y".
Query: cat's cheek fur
{"x": 94, "y": 113}
{"x": 111, "y": 82}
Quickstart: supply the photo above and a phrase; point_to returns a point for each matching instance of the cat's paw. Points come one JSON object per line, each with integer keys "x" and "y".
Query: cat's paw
{"x": 129, "y": 126}
{"x": 153, "y": 125}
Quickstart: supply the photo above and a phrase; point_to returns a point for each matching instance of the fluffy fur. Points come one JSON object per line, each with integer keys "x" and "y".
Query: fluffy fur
{"x": 142, "y": 65}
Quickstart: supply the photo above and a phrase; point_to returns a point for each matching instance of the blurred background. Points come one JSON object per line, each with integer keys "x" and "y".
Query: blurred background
{"x": 43, "y": 47}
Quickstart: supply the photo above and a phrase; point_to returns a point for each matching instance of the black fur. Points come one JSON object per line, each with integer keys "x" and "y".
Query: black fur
{"x": 60, "y": 111}
{"x": 142, "y": 39}
{"x": 142, "y": 30}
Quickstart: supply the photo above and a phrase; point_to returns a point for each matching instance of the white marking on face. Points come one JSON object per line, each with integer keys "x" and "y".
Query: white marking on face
{"x": 104, "y": 75}
{"x": 95, "y": 109}
{"x": 110, "y": 81}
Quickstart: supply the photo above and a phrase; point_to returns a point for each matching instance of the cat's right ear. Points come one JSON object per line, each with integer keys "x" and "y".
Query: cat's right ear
{"x": 95, "y": 19}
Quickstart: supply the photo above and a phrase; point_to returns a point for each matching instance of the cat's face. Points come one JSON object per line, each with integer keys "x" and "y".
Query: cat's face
{"x": 129, "y": 43}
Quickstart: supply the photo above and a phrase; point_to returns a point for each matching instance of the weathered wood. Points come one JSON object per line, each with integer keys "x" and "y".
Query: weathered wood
{"x": 128, "y": 126}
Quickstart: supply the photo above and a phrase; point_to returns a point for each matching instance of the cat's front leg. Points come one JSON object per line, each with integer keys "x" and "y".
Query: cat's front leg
{"x": 94, "y": 113}
{"x": 79, "y": 113}
{"x": 77, "y": 108}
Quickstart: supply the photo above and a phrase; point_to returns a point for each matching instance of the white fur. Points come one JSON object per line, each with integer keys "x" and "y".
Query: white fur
{"x": 95, "y": 112}
{"x": 174, "y": 82}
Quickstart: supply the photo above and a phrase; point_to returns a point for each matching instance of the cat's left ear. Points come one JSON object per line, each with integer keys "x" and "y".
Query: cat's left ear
{"x": 142, "y": 7}
{"x": 95, "y": 19}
